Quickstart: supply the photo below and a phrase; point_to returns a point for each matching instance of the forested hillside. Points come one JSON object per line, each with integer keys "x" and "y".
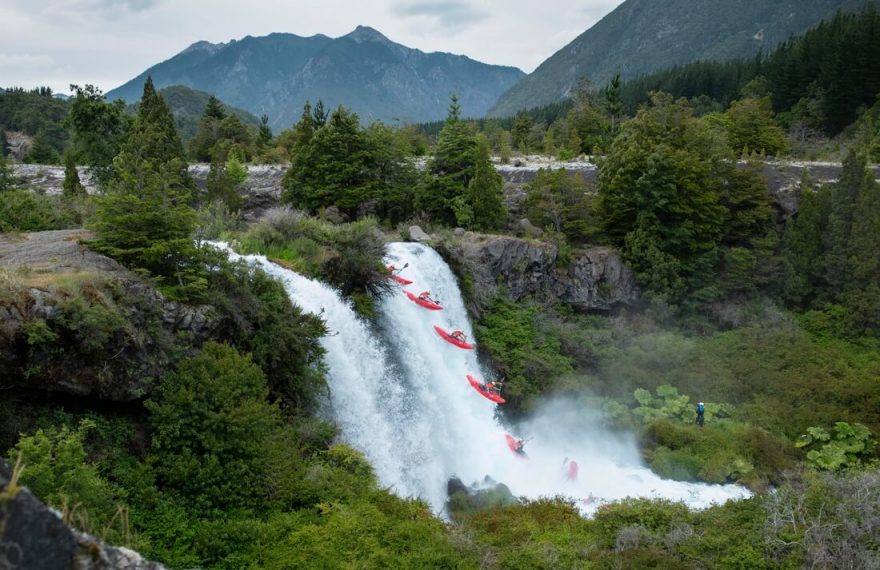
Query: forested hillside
{"x": 363, "y": 70}
{"x": 641, "y": 36}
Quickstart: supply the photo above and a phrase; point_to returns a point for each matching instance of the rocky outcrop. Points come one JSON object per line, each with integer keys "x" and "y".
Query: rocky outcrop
{"x": 76, "y": 322}
{"x": 262, "y": 189}
{"x": 33, "y": 537}
{"x": 594, "y": 279}
{"x": 485, "y": 495}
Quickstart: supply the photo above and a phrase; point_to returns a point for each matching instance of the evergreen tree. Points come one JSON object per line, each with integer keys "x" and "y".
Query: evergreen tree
{"x": 658, "y": 194}
{"x": 72, "y": 187}
{"x": 454, "y": 113}
{"x": 802, "y": 247}
{"x": 264, "y": 134}
{"x": 303, "y": 131}
{"x": 42, "y": 151}
{"x": 862, "y": 295}
{"x": 450, "y": 170}
{"x": 854, "y": 180}
{"x": 214, "y": 109}
{"x": 145, "y": 220}
{"x": 613, "y": 102}
{"x": 332, "y": 168}
{"x": 99, "y": 128}
{"x": 484, "y": 193}
{"x": 319, "y": 115}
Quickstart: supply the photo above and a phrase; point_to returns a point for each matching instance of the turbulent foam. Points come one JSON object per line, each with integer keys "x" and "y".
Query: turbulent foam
{"x": 400, "y": 395}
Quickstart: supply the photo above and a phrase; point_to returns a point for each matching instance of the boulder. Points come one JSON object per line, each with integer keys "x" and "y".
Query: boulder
{"x": 418, "y": 234}
{"x": 487, "y": 494}
{"x": 32, "y": 536}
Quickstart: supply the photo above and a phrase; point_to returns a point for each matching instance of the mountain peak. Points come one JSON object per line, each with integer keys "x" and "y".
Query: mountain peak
{"x": 366, "y": 34}
{"x": 203, "y": 46}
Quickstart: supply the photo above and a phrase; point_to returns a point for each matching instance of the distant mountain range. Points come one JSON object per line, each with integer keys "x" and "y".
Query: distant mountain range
{"x": 363, "y": 70}
{"x": 640, "y": 36}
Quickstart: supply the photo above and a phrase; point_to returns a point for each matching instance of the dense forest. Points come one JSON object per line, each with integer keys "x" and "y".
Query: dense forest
{"x": 773, "y": 321}
{"x": 818, "y": 85}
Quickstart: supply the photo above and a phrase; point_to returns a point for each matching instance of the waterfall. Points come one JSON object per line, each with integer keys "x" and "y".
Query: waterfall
{"x": 399, "y": 394}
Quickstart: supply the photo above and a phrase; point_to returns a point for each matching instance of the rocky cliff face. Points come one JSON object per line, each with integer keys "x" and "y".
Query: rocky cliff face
{"x": 595, "y": 279}
{"x": 76, "y": 322}
{"x": 33, "y": 537}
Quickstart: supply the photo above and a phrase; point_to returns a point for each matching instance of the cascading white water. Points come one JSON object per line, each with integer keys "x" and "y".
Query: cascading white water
{"x": 399, "y": 394}
{"x": 458, "y": 427}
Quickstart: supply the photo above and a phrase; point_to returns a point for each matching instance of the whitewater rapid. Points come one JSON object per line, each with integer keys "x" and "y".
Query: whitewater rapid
{"x": 399, "y": 394}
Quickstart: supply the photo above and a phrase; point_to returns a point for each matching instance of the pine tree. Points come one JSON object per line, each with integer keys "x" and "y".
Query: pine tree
{"x": 484, "y": 193}
{"x": 613, "y": 103}
{"x": 454, "y": 113}
{"x": 72, "y": 187}
{"x": 450, "y": 170}
{"x": 42, "y": 151}
{"x": 214, "y": 109}
{"x": 319, "y": 115}
{"x": 264, "y": 135}
{"x": 303, "y": 131}
{"x": 145, "y": 220}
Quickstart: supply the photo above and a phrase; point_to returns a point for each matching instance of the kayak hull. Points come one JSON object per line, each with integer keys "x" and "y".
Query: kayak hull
{"x": 448, "y": 338}
{"x": 511, "y": 443}
{"x": 399, "y": 279}
{"x": 571, "y": 473}
{"x": 423, "y": 302}
{"x": 486, "y": 394}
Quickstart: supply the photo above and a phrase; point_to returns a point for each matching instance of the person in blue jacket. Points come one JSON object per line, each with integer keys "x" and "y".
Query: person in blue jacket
{"x": 701, "y": 409}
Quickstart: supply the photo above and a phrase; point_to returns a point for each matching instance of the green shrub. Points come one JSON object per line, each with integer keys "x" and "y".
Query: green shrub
{"x": 347, "y": 256}
{"x": 257, "y": 316}
{"x": 24, "y": 211}
{"x": 211, "y": 424}
{"x": 56, "y": 471}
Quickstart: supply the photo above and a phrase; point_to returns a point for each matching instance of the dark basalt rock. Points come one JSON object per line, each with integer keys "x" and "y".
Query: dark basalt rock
{"x": 33, "y": 537}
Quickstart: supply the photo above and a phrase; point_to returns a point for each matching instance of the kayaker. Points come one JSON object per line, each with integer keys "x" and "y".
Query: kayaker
{"x": 458, "y": 335}
{"x": 425, "y": 296}
{"x": 520, "y": 446}
{"x": 494, "y": 387}
{"x": 394, "y": 270}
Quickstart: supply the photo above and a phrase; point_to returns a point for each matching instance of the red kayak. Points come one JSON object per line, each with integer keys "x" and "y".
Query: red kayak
{"x": 572, "y": 473}
{"x": 481, "y": 388}
{"x": 513, "y": 444}
{"x": 399, "y": 279}
{"x": 448, "y": 338}
{"x": 423, "y": 302}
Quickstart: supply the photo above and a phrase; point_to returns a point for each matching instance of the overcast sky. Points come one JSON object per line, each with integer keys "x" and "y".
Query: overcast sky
{"x": 107, "y": 42}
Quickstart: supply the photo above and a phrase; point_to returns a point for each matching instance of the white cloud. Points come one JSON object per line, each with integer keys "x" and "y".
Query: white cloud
{"x": 24, "y": 60}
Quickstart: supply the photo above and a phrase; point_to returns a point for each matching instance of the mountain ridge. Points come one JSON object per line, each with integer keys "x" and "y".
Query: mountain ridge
{"x": 364, "y": 70}
{"x": 640, "y": 36}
